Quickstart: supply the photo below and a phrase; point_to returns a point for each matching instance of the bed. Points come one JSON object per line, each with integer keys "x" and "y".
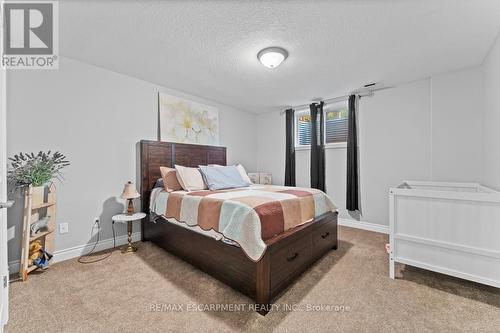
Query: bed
{"x": 261, "y": 276}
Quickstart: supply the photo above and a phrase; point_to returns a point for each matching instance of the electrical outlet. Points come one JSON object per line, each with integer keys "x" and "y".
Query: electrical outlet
{"x": 96, "y": 227}
{"x": 63, "y": 228}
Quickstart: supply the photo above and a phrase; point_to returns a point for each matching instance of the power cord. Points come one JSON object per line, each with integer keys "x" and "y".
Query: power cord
{"x": 96, "y": 242}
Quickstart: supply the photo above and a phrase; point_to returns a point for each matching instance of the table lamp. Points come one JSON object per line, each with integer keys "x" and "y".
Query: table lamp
{"x": 130, "y": 193}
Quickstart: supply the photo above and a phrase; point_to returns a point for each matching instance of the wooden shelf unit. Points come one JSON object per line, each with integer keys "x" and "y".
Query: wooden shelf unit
{"x": 32, "y": 212}
{"x": 41, "y": 234}
{"x": 42, "y": 205}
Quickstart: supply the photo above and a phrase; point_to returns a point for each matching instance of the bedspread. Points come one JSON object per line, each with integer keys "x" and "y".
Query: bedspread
{"x": 249, "y": 216}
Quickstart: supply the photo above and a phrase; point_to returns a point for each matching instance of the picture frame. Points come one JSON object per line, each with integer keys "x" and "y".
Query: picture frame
{"x": 185, "y": 121}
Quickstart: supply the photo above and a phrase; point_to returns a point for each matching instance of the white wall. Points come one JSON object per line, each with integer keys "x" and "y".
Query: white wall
{"x": 96, "y": 117}
{"x": 394, "y": 144}
{"x": 457, "y": 107}
{"x": 414, "y": 131}
{"x": 491, "y": 133}
{"x": 271, "y": 145}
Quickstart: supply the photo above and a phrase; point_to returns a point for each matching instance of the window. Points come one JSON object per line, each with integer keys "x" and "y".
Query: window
{"x": 303, "y": 123}
{"x": 336, "y": 123}
{"x": 336, "y": 126}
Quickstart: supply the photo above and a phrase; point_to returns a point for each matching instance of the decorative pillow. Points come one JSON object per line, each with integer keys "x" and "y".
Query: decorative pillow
{"x": 222, "y": 177}
{"x": 169, "y": 177}
{"x": 190, "y": 178}
{"x": 159, "y": 183}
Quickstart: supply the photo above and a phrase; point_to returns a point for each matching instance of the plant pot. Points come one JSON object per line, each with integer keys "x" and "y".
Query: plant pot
{"x": 38, "y": 195}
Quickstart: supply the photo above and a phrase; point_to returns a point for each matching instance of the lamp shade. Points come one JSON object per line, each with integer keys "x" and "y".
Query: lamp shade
{"x": 129, "y": 191}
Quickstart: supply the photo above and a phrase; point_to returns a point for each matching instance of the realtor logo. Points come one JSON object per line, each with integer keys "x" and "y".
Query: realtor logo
{"x": 30, "y": 34}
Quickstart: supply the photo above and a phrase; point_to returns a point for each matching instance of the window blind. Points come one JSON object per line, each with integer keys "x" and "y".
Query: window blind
{"x": 304, "y": 132}
{"x": 336, "y": 130}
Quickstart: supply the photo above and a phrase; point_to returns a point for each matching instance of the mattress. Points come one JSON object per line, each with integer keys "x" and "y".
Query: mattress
{"x": 247, "y": 216}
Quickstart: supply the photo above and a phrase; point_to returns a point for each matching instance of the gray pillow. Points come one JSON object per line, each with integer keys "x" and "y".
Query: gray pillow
{"x": 159, "y": 183}
{"x": 222, "y": 177}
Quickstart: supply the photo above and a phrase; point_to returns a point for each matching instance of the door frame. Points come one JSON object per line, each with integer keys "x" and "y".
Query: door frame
{"x": 4, "y": 262}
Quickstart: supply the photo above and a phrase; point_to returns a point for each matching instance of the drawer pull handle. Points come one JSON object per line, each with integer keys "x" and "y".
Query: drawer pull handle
{"x": 292, "y": 258}
{"x": 325, "y": 235}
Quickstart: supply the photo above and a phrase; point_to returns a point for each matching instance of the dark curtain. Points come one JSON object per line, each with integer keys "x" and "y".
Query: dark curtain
{"x": 317, "y": 147}
{"x": 352, "y": 158}
{"x": 290, "y": 149}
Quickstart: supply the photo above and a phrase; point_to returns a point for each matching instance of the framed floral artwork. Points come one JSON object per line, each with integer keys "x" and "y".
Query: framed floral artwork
{"x": 265, "y": 178}
{"x": 254, "y": 177}
{"x": 186, "y": 121}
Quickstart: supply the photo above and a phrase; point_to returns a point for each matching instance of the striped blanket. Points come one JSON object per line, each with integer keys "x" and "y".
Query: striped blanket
{"x": 249, "y": 216}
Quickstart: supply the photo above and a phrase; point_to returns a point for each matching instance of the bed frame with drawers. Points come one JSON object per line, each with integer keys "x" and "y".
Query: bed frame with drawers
{"x": 287, "y": 256}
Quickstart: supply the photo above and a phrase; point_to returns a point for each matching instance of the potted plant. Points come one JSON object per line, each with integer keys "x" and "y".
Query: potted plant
{"x": 37, "y": 170}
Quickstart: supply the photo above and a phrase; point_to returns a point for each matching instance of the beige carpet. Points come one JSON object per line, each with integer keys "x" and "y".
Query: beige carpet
{"x": 117, "y": 294}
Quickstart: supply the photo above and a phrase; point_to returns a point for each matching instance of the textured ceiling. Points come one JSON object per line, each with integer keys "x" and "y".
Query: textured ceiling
{"x": 209, "y": 48}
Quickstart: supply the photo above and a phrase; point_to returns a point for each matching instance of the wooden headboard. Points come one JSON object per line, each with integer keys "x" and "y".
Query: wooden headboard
{"x": 154, "y": 154}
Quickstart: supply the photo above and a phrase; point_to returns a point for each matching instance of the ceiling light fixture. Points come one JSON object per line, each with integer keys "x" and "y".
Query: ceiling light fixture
{"x": 272, "y": 57}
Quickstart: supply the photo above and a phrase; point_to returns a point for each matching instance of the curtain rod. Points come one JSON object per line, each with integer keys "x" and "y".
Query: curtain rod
{"x": 330, "y": 100}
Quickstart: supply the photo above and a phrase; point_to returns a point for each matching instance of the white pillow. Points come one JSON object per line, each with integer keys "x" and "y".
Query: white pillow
{"x": 190, "y": 178}
{"x": 243, "y": 173}
{"x": 241, "y": 170}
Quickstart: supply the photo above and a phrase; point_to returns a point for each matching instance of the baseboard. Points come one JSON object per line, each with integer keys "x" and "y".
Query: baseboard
{"x": 77, "y": 251}
{"x": 364, "y": 225}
